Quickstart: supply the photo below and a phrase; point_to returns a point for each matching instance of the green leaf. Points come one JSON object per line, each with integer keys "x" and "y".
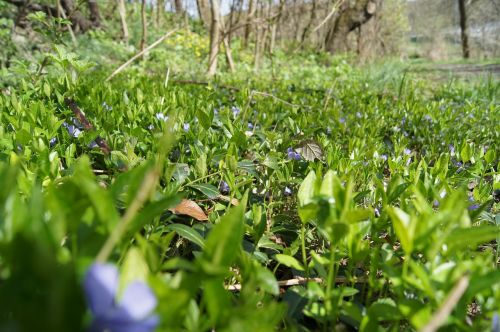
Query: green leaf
{"x": 403, "y": 227}
{"x": 307, "y": 189}
{"x": 248, "y": 166}
{"x": 224, "y": 241}
{"x": 471, "y": 237}
{"x": 134, "y": 268}
{"x": 188, "y": 233}
{"x": 289, "y": 261}
{"x": 207, "y": 189}
{"x": 181, "y": 172}
{"x": 310, "y": 150}
{"x": 271, "y": 162}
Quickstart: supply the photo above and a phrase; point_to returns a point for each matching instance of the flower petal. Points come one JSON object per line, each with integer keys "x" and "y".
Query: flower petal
{"x": 101, "y": 284}
{"x": 137, "y": 302}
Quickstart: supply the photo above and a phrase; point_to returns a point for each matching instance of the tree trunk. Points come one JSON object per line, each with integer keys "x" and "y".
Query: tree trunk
{"x": 463, "y": 29}
{"x": 259, "y": 41}
{"x": 248, "y": 25}
{"x": 214, "y": 38}
{"x": 123, "y": 19}
{"x": 307, "y": 28}
{"x": 204, "y": 12}
{"x": 179, "y": 8}
{"x": 160, "y": 9}
{"x": 144, "y": 35}
{"x": 350, "y": 18}
{"x": 95, "y": 16}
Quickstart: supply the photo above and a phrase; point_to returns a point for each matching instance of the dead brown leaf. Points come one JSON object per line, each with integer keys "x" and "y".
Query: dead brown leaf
{"x": 190, "y": 208}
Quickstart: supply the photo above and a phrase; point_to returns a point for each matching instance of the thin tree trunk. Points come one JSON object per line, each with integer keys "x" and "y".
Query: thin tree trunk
{"x": 307, "y": 28}
{"x": 258, "y": 42}
{"x": 214, "y": 38}
{"x": 350, "y": 18}
{"x": 179, "y": 8}
{"x": 248, "y": 26}
{"x": 463, "y": 29}
{"x": 144, "y": 35}
{"x": 95, "y": 16}
{"x": 204, "y": 12}
{"x": 160, "y": 9}
{"x": 123, "y": 18}
{"x": 274, "y": 26}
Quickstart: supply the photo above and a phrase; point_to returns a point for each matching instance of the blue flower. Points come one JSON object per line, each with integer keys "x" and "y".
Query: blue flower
{"x": 452, "y": 148}
{"x": 224, "y": 188}
{"x": 52, "y": 142}
{"x": 287, "y": 191}
{"x": 235, "y": 111}
{"x": 161, "y": 116}
{"x": 72, "y": 130}
{"x": 292, "y": 154}
{"x": 407, "y": 151}
{"x": 106, "y": 106}
{"x": 495, "y": 323}
{"x": 383, "y": 157}
{"x": 92, "y": 145}
{"x": 473, "y": 207}
{"x": 186, "y": 127}
{"x": 250, "y": 125}
{"x": 131, "y": 313}
{"x": 342, "y": 120}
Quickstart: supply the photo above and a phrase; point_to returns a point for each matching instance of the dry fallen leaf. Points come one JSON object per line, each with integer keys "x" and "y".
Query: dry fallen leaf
{"x": 189, "y": 208}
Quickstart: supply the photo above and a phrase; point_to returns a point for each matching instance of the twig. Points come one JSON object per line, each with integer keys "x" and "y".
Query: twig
{"x": 147, "y": 186}
{"x": 442, "y": 314}
{"x": 87, "y": 125}
{"x": 334, "y": 9}
{"x": 265, "y": 94}
{"x": 299, "y": 281}
{"x": 138, "y": 55}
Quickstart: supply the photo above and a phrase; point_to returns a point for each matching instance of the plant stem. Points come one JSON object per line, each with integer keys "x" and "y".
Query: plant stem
{"x": 304, "y": 255}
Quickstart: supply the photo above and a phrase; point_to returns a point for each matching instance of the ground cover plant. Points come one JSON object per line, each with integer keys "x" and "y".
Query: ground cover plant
{"x": 305, "y": 198}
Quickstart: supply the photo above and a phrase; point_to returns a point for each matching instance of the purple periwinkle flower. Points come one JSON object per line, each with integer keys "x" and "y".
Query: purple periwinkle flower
{"x": 407, "y": 151}
{"x": 216, "y": 111}
{"x": 495, "y": 323}
{"x": 224, "y": 188}
{"x": 235, "y": 111}
{"x": 452, "y": 148}
{"x": 342, "y": 120}
{"x": 287, "y": 192}
{"x": 250, "y": 126}
{"x": 292, "y": 155}
{"x": 106, "y": 106}
{"x": 73, "y": 130}
{"x": 473, "y": 207}
{"x": 131, "y": 313}
{"x": 161, "y": 116}
{"x": 383, "y": 157}
{"x": 435, "y": 203}
{"x": 186, "y": 127}
{"x": 427, "y": 117}
{"x": 53, "y": 142}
